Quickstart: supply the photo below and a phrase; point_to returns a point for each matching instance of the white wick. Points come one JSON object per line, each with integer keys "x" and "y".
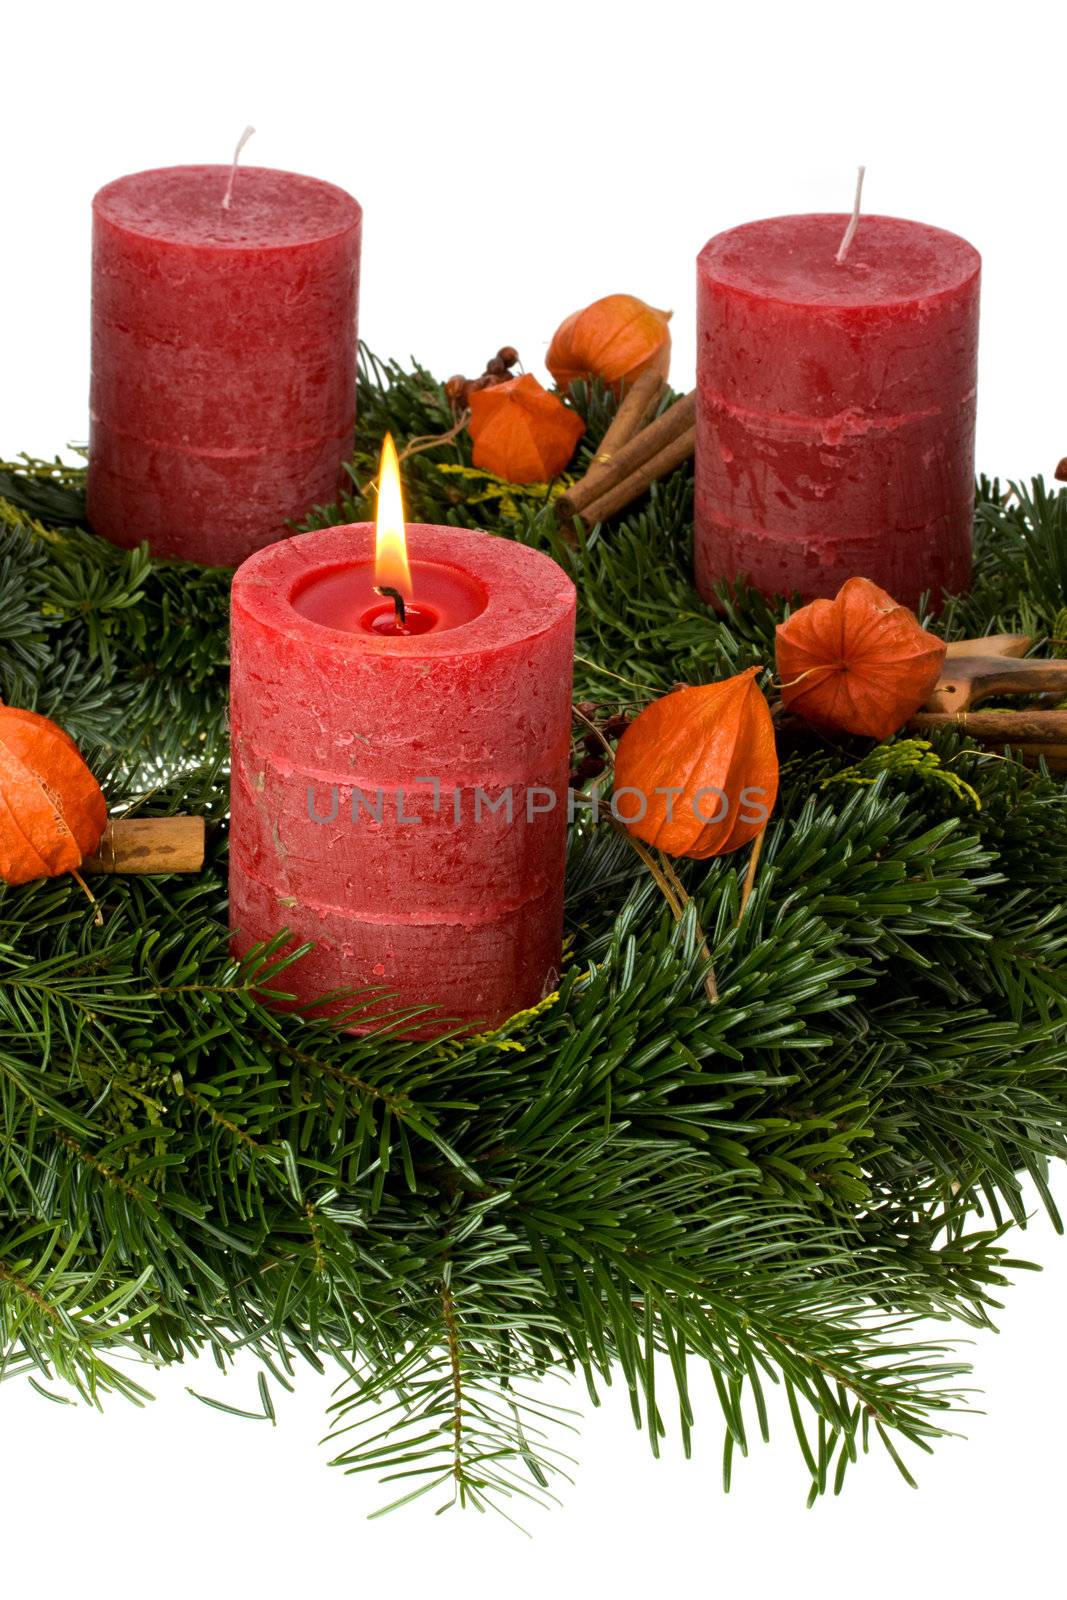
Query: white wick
{"x": 242, "y": 141}
{"x": 853, "y": 221}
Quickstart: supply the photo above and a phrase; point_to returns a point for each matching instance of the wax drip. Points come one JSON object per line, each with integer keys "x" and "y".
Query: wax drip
{"x": 854, "y": 220}
{"x": 242, "y": 141}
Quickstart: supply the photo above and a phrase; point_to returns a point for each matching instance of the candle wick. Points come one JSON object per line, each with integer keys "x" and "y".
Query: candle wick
{"x": 398, "y": 601}
{"x": 854, "y": 220}
{"x": 242, "y": 141}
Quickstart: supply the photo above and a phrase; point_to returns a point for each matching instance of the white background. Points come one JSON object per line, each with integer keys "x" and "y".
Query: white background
{"x": 516, "y": 161}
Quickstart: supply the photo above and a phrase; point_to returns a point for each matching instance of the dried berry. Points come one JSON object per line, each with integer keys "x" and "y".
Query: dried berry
{"x": 588, "y": 768}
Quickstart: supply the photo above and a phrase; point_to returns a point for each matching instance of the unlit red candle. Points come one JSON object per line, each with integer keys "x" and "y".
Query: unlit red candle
{"x": 836, "y": 407}
{"x": 222, "y": 402}
{"x": 399, "y": 798}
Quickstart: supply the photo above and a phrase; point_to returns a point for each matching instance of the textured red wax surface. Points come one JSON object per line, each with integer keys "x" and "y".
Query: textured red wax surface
{"x": 465, "y": 915}
{"x": 835, "y": 407}
{"x": 222, "y": 399}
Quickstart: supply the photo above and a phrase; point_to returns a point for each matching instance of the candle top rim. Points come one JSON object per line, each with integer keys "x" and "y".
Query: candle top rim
{"x": 270, "y": 208}
{"x": 792, "y": 259}
{"x": 527, "y": 592}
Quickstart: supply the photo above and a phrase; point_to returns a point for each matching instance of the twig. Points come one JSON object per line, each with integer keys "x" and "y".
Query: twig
{"x": 750, "y": 875}
{"x": 427, "y": 441}
{"x": 414, "y": 447}
{"x": 594, "y": 730}
{"x": 645, "y": 688}
{"x": 98, "y": 915}
{"x": 676, "y": 895}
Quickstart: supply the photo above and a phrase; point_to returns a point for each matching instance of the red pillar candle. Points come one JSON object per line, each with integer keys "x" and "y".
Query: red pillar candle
{"x": 223, "y": 387}
{"x": 399, "y": 791}
{"x": 835, "y": 407}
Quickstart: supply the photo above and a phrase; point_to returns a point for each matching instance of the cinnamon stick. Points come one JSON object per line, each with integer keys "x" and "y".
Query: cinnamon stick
{"x": 648, "y": 443}
{"x": 149, "y": 844}
{"x": 665, "y": 461}
{"x": 1055, "y": 755}
{"x": 998, "y": 727}
{"x": 635, "y": 408}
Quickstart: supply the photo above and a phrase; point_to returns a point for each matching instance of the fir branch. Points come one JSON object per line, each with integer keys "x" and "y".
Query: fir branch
{"x": 781, "y": 1184}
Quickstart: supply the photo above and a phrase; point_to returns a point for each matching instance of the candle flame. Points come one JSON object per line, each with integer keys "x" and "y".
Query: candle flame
{"x": 391, "y": 546}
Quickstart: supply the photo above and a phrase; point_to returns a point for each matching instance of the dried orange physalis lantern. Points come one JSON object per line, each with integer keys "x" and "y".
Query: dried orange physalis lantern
{"x": 52, "y": 812}
{"x": 859, "y": 663}
{"x": 614, "y": 339}
{"x": 521, "y": 432}
{"x": 696, "y": 774}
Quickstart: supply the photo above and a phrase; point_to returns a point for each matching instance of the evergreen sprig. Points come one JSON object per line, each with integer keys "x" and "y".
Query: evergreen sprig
{"x": 630, "y": 1181}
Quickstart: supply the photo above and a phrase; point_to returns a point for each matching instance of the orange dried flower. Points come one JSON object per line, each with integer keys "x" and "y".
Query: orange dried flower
{"x": 614, "y": 339}
{"x": 52, "y": 813}
{"x": 696, "y": 774}
{"x": 859, "y": 663}
{"x": 521, "y": 432}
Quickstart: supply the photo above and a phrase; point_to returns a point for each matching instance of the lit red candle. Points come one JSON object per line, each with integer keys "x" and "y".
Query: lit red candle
{"x": 222, "y": 401}
{"x": 835, "y": 406}
{"x": 399, "y": 791}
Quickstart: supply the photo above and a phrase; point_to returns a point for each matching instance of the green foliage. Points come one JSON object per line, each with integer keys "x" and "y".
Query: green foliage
{"x": 629, "y": 1182}
{"x": 903, "y": 759}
